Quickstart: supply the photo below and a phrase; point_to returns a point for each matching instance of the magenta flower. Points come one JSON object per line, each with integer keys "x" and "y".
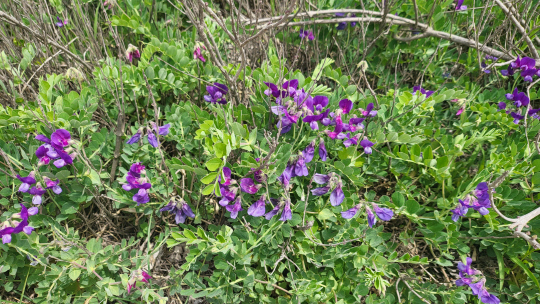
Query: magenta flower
{"x": 132, "y": 53}
{"x": 26, "y": 181}
{"x": 235, "y": 208}
{"x": 181, "y": 209}
{"x": 60, "y": 139}
{"x": 258, "y": 208}
{"x": 226, "y": 173}
{"x": 337, "y": 130}
{"x": 137, "y": 169}
{"x": 138, "y": 275}
{"x": 248, "y": 186}
{"x": 345, "y": 105}
{"x": 369, "y": 110}
{"x": 197, "y": 53}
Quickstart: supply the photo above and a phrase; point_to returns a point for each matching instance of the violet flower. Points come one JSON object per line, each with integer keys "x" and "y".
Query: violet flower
{"x": 26, "y": 181}
{"x": 300, "y": 168}
{"x": 366, "y": 144}
{"x": 501, "y": 105}
{"x": 137, "y": 169}
{"x": 141, "y": 197}
{"x": 369, "y": 110}
{"x": 520, "y": 98}
{"x": 371, "y": 217}
{"x": 459, "y": 211}
{"x": 460, "y": 6}
{"x": 135, "y": 138}
{"x": 286, "y": 214}
{"x": 248, "y": 186}
{"x": 306, "y": 34}
{"x": 508, "y": 72}
{"x": 216, "y": 93}
{"x": 345, "y": 105}
{"x": 61, "y": 23}
{"x": 226, "y": 173}
{"x": 517, "y": 117}
{"x": 351, "y": 141}
{"x": 480, "y": 290}
{"x": 337, "y": 196}
{"x": 422, "y": 91}
{"x": 181, "y": 209}
{"x": 258, "y": 208}
{"x": 349, "y": 214}
{"x": 385, "y": 214}
{"x": 7, "y": 229}
{"x": 287, "y": 174}
{"x": 227, "y": 194}
{"x": 61, "y": 139}
{"x": 321, "y": 179}
{"x": 337, "y": 130}
{"x": 41, "y": 154}
{"x": 37, "y": 191}
{"x": 309, "y": 152}
{"x": 323, "y": 154}
{"x": 320, "y": 191}
{"x": 163, "y": 130}
{"x": 235, "y": 208}
{"x": 50, "y": 184}
{"x": 132, "y": 52}
{"x": 273, "y": 90}
{"x": 290, "y": 87}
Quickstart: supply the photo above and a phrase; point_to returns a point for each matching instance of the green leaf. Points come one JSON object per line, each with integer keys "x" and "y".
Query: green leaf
{"x": 208, "y": 189}
{"x": 317, "y": 73}
{"x": 238, "y": 129}
{"x": 150, "y": 73}
{"x": 325, "y": 214}
{"x": 220, "y": 149}
{"x": 74, "y": 273}
{"x": 94, "y": 177}
{"x": 412, "y": 206}
{"x": 526, "y": 270}
{"x": 62, "y": 174}
{"x": 6, "y": 192}
{"x": 213, "y": 164}
{"x": 209, "y": 178}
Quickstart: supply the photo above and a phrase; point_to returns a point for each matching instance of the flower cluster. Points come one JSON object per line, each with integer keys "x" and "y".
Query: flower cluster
{"x": 384, "y": 214}
{"x": 132, "y": 52}
{"x": 138, "y": 275}
{"x": 343, "y": 25}
{"x": 12, "y": 226}
{"x": 151, "y": 134}
{"x": 332, "y": 182}
{"x": 216, "y": 93}
{"x": 526, "y": 65}
{"x": 181, "y": 209}
{"x": 61, "y": 23}
{"x": 479, "y": 202}
{"x": 474, "y": 279}
{"x": 56, "y": 148}
{"x": 297, "y": 164}
{"x": 306, "y": 34}
{"x": 137, "y": 181}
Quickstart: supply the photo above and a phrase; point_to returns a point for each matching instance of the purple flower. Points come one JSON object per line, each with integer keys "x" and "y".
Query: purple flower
{"x": 41, "y": 154}
{"x": 273, "y": 212}
{"x": 460, "y": 6}
{"x": 423, "y": 91}
{"x": 248, "y": 186}
{"x": 306, "y": 34}
{"x": 287, "y": 174}
{"x": 351, "y": 212}
{"x": 26, "y": 181}
{"x": 227, "y": 194}
{"x": 290, "y": 87}
{"x": 321, "y": 179}
{"x": 337, "y": 130}
{"x": 164, "y": 130}
{"x": 460, "y": 211}
{"x": 61, "y": 23}
{"x": 141, "y": 197}
{"x": 50, "y": 184}
{"x": 323, "y": 154}
{"x": 369, "y": 110}
{"x": 258, "y": 208}
{"x": 366, "y": 144}
{"x": 37, "y": 191}
{"x": 371, "y": 217}
{"x": 60, "y": 139}
{"x": 502, "y": 105}
{"x": 508, "y": 72}
{"x": 341, "y": 26}
{"x": 309, "y": 152}
{"x": 384, "y": 214}
{"x": 6, "y": 233}
{"x": 137, "y": 169}
{"x": 351, "y": 140}
{"x": 517, "y": 117}
{"x": 135, "y": 138}
{"x": 320, "y": 191}
{"x": 533, "y": 113}
{"x": 528, "y": 74}
{"x": 337, "y": 196}
{"x": 286, "y": 214}
{"x": 345, "y": 105}
{"x": 300, "y": 168}
{"x": 465, "y": 269}
{"x": 235, "y": 208}
{"x": 138, "y": 275}
{"x": 216, "y": 93}
{"x": 520, "y": 98}
{"x": 132, "y": 52}
{"x": 181, "y": 209}
{"x": 226, "y": 173}
{"x": 152, "y": 140}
